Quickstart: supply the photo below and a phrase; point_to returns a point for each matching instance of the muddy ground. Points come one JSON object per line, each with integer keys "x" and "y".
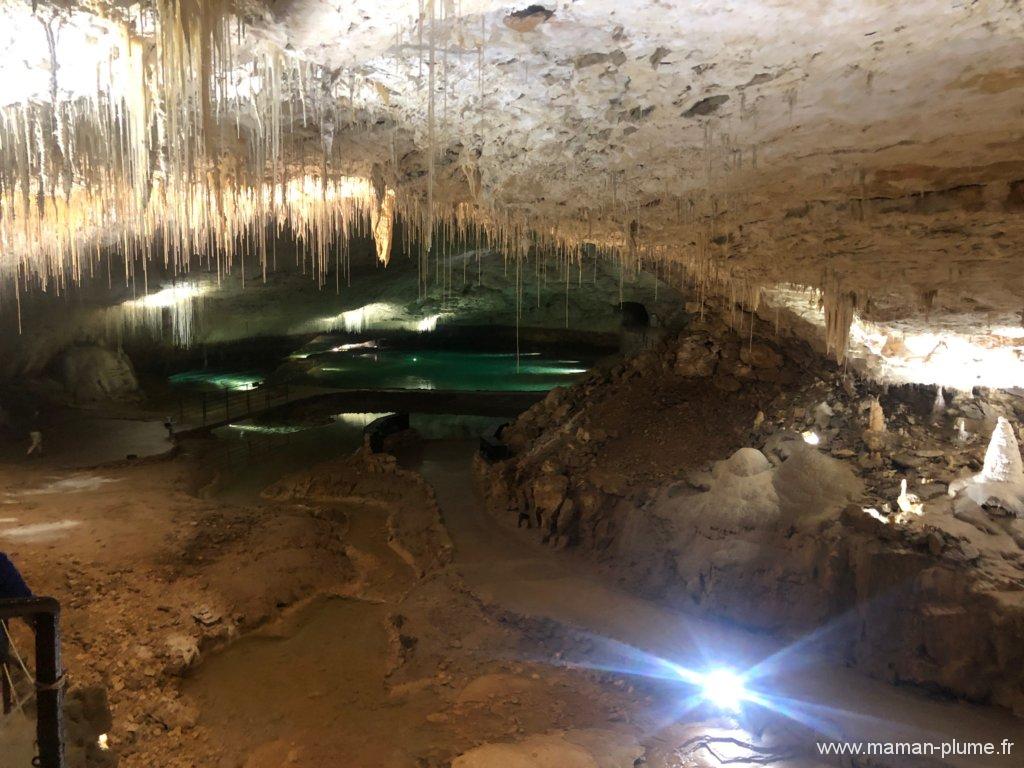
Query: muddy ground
{"x": 316, "y": 624}
{"x": 365, "y": 611}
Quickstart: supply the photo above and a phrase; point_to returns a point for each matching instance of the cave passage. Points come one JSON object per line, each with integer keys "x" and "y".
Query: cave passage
{"x": 482, "y": 384}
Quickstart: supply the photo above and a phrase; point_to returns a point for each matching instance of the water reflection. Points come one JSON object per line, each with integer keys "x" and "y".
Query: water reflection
{"x": 361, "y": 367}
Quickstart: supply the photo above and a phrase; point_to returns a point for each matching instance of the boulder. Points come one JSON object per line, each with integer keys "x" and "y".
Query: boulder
{"x": 726, "y": 383}
{"x": 760, "y": 356}
{"x": 91, "y": 372}
{"x": 548, "y": 494}
{"x": 745, "y": 462}
{"x": 696, "y": 358}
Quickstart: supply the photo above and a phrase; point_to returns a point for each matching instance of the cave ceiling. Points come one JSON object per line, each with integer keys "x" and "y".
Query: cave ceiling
{"x": 871, "y": 149}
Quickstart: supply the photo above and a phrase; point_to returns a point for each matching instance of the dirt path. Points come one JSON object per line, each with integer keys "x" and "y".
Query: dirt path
{"x": 531, "y": 580}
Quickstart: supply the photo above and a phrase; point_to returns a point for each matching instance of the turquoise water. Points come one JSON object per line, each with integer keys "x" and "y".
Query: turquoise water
{"x": 365, "y": 365}
{"x": 211, "y": 381}
{"x": 370, "y": 368}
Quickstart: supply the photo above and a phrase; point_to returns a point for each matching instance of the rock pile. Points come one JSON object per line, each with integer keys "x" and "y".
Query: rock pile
{"x": 929, "y": 583}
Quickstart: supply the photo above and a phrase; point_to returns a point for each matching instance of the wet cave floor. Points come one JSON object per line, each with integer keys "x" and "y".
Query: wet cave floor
{"x": 264, "y": 596}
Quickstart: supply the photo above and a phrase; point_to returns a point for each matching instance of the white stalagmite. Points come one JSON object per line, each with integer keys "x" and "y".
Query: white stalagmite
{"x": 1001, "y": 480}
{"x": 1002, "y": 458}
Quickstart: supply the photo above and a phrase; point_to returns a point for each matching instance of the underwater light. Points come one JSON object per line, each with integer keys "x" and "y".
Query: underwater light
{"x": 724, "y": 688}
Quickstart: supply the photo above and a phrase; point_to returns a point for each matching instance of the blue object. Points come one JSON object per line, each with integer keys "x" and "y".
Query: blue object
{"x": 12, "y": 585}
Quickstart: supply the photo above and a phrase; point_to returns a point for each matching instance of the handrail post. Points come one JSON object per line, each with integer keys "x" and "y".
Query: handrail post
{"x": 50, "y": 691}
{"x": 43, "y": 613}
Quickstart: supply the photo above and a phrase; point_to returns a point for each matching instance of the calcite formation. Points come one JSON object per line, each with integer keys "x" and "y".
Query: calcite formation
{"x": 1001, "y": 480}
{"x": 878, "y": 164}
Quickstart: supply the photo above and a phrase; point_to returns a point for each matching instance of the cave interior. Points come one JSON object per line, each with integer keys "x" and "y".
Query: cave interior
{"x": 474, "y": 384}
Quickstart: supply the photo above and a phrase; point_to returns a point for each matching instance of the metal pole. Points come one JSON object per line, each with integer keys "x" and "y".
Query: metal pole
{"x": 50, "y": 691}
{"x": 6, "y": 695}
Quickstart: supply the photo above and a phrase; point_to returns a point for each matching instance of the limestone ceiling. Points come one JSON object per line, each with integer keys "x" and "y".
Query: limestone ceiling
{"x": 872, "y": 147}
{"x": 882, "y": 142}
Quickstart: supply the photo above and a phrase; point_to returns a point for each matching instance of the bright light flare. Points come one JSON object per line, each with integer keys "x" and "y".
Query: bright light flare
{"x": 357, "y": 345}
{"x": 169, "y": 297}
{"x": 811, "y": 438}
{"x": 427, "y": 324}
{"x": 725, "y": 689}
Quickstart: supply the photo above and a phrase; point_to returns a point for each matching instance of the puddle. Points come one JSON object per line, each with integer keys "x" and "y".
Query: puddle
{"x": 72, "y": 484}
{"x": 38, "y": 531}
{"x": 17, "y": 739}
{"x": 312, "y": 691}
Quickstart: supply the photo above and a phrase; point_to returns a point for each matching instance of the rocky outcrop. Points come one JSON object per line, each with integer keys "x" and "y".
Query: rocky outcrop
{"x": 852, "y": 538}
{"x": 90, "y": 372}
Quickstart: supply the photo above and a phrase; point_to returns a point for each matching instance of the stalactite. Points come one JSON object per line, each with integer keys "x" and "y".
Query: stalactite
{"x": 839, "y": 309}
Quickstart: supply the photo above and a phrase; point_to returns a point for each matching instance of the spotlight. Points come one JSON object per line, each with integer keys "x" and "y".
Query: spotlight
{"x": 724, "y": 688}
{"x": 811, "y": 438}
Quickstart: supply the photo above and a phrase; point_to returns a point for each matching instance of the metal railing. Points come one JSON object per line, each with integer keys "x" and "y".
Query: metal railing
{"x": 208, "y": 408}
{"x": 43, "y": 615}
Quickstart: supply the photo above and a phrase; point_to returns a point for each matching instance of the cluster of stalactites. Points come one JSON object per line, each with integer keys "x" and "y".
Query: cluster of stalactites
{"x": 196, "y": 146}
{"x": 184, "y": 149}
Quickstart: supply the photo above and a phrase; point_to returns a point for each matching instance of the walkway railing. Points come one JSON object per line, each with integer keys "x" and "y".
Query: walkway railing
{"x": 43, "y": 615}
{"x": 202, "y": 409}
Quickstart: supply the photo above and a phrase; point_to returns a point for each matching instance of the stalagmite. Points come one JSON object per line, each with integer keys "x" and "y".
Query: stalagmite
{"x": 1001, "y": 480}
{"x": 876, "y": 417}
{"x": 874, "y": 436}
{"x": 1002, "y": 457}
